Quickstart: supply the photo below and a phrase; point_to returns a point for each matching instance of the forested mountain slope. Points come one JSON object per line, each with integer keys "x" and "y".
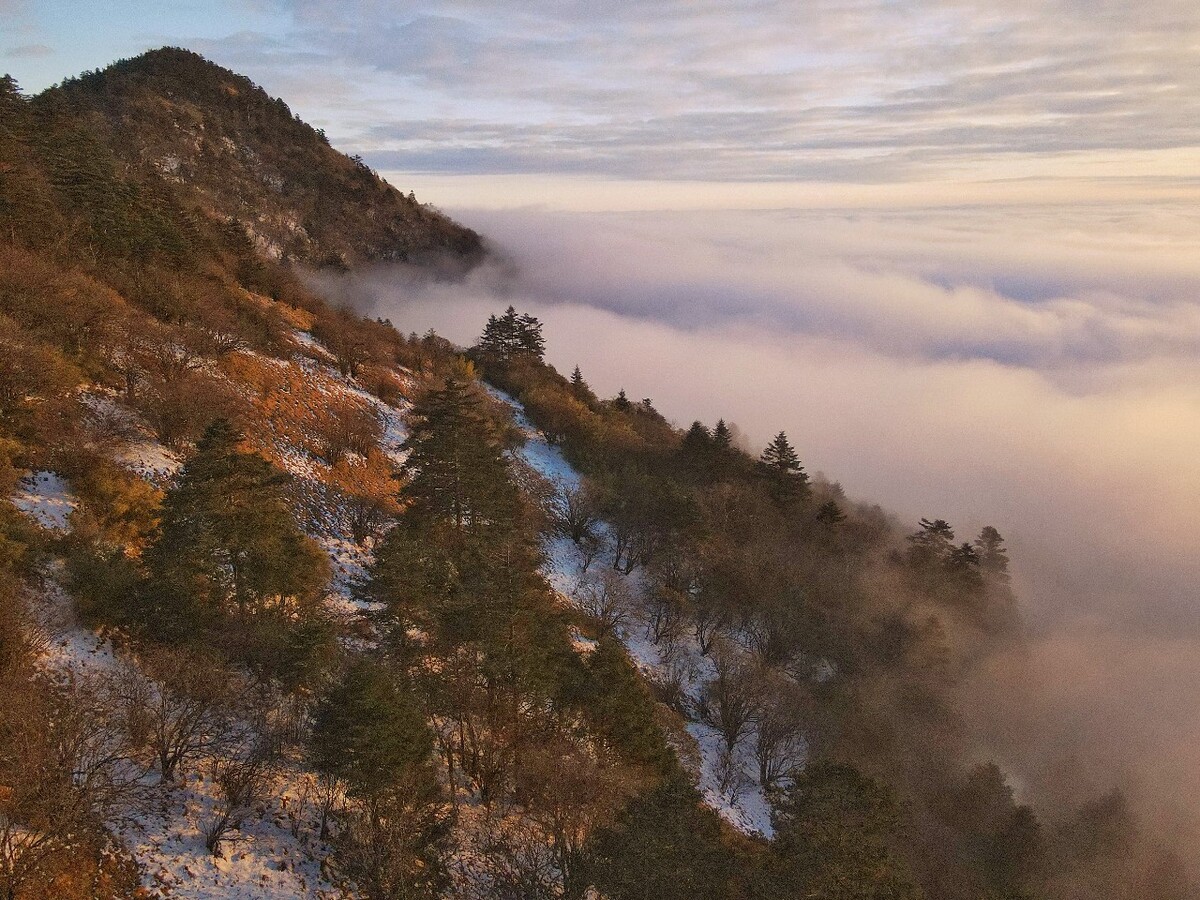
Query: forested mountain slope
{"x": 292, "y": 604}
{"x": 235, "y": 153}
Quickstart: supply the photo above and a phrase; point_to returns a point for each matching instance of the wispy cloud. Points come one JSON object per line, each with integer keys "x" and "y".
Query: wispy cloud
{"x": 846, "y": 89}
{"x": 29, "y": 51}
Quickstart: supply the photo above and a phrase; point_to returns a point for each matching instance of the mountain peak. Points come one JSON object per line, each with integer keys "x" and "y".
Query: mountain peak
{"x": 243, "y": 155}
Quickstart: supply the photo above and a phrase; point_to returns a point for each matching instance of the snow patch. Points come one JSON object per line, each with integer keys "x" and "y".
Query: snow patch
{"x": 728, "y": 783}
{"x": 46, "y": 498}
{"x": 150, "y": 461}
{"x": 275, "y": 855}
{"x": 538, "y": 453}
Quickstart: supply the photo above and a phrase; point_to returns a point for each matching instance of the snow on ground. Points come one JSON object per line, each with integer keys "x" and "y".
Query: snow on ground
{"x": 150, "y": 460}
{"x": 311, "y": 344}
{"x": 544, "y": 458}
{"x": 275, "y": 855}
{"x": 46, "y": 498}
{"x": 69, "y": 650}
{"x": 138, "y": 449}
{"x": 349, "y": 559}
{"x": 743, "y": 802}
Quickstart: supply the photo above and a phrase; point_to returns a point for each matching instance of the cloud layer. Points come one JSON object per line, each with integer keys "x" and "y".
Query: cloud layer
{"x": 1031, "y": 369}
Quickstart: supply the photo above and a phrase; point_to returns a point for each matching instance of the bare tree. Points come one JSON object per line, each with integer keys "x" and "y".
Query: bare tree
{"x": 65, "y": 769}
{"x": 347, "y": 425}
{"x": 663, "y": 614}
{"x": 709, "y": 618}
{"x": 570, "y": 792}
{"x": 243, "y": 780}
{"x": 783, "y": 715}
{"x": 575, "y": 514}
{"x": 732, "y": 698}
{"x": 184, "y": 710}
{"x": 390, "y": 842}
{"x": 605, "y": 597}
{"x": 515, "y": 862}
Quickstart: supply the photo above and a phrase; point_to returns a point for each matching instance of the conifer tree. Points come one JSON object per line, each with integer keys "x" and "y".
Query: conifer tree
{"x": 830, "y": 514}
{"x": 578, "y": 385}
{"x": 227, "y": 540}
{"x": 993, "y": 557}
{"x": 722, "y": 437}
{"x": 369, "y": 730}
{"x": 622, "y": 402}
{"x": 512, "y": 334}
{"x": 787, "y": 478}
{"x": 458, "y": 473}
{"x": 932, "y": 544}
{"x": 834, "y": 828}
{"x": 529, "y": 336}
{"x": 696, "y": 446}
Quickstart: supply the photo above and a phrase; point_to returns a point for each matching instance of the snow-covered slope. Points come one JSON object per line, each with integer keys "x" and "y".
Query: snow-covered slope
{"x": 277, "y": 852}
{"x": 736, "y": 795}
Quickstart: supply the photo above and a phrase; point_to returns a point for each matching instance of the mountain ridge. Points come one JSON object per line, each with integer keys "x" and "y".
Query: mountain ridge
{"x": 238, "y": 154}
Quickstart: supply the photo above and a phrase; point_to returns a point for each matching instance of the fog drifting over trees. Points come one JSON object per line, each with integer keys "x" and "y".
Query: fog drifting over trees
{"x": 1034, "y": 368}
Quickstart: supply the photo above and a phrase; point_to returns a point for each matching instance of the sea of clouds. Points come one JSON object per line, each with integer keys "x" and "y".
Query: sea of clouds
{"x": 1036, "y": 369}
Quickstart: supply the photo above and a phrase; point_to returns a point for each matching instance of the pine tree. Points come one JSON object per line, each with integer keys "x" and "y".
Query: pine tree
{"x": 227, "y": 540}
{"x": 696, "y": 445}
{"x": 578, "y": 385}
{"x": 779, "y": 463}
{"x": 622, "y": 402}
{"x": 722, "y": 437}
{"x": 529, "y": 336}
{"x": 512, "y": 334}
{"x": 833, "y": 831}
{"x": 993, "y": 557}
{"x": 369, "y": 730}
{"x": 830, "y": 514}
{"x": 932, "y": 544}
{"x": 458, "y": 472}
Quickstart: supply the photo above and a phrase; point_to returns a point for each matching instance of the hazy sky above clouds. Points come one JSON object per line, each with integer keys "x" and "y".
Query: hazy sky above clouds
{"x": 1095, "y": 95}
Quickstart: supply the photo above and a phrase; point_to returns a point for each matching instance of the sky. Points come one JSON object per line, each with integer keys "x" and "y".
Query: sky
{"x": 951, "y": 246}
{"x": 684, "y": 103}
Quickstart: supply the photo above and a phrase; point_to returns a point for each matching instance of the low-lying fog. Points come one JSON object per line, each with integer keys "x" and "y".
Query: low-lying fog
{"x": 1035, "y": 369}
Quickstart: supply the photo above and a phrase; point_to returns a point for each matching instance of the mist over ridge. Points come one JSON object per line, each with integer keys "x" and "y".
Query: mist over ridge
{"x": 1036, "y": 369}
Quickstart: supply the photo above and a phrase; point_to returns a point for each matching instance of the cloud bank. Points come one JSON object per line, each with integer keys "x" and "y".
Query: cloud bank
{"x": 1033, "y": 369}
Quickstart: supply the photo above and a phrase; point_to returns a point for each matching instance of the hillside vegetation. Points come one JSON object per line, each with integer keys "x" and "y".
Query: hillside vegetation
{"x": 292, "y": 604}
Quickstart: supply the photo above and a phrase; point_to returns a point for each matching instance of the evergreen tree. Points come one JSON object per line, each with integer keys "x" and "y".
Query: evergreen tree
{"x": 722, "y": 437}
{"x": 227, "y": 540}
{"x": 665, "y": 846}
{"x": 833, "y": 828}
{"x": 620, "y": 709}
{"x": 696, "y": 447}
{"x": 512, "y": 334}
{"x": 578, "y": 386}
{"x": 622, "y": 402}
{"x": 371, "y": 733}
{"x": 457, "y": 469}
{"x": 830, "y": 514}
{"x": 963, "y": 564}
{"x": 787, "y": 479}
{"x": 369, "y": 730}
{"x": 931, "y": 545}
{"x": 993, "y": 557}
{"x": 529, "y": 336}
